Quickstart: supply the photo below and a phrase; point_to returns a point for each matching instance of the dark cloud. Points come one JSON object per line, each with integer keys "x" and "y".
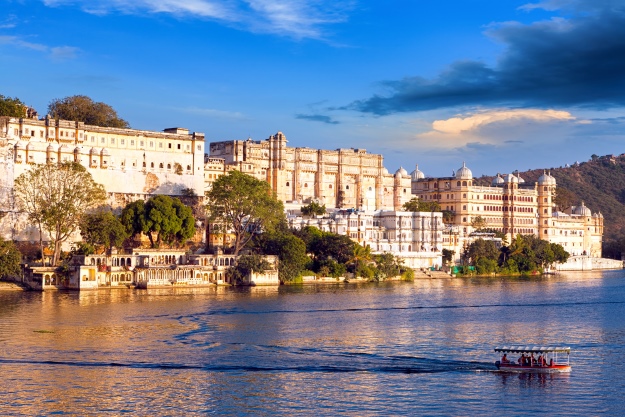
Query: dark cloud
{"x": 513, "y": 141}
{"x": 317, "y": 118}
{"x": 579, "y": 61}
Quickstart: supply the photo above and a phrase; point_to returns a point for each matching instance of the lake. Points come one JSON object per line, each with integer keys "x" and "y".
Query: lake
{"x": 398, "y": 348}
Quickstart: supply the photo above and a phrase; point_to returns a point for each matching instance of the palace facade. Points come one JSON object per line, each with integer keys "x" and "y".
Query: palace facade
{"x": 342, "y": 178}
{"x": 511, "y": 206}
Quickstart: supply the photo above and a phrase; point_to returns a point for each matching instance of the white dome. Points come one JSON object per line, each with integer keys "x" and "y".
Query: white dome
{"x": 416, "y": 174}
{"x": 20, "y": 145}
{"x": 94, "y": 151}
{"x": 464, "y": 173}
{"x": 64, "y": 148}
{"x": 401, "y": 171}
{"x": 510, "y": 178}
{"x": 497, "y": 180}
{"x": 546, "y": 179}
{"x": 104, "y": 152}
{"x": 582, "y": 210}
{"x": 521, "y": 180}
{"x": 51, "y": 148}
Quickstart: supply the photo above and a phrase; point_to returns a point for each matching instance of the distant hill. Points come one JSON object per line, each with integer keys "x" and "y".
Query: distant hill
{"x": 599, "y": 183}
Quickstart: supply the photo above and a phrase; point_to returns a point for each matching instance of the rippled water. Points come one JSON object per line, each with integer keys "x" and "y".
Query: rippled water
{"x": 369, "y": 349}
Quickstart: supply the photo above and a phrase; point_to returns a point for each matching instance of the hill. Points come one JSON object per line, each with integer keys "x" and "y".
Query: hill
{"x": 599, "y": 183}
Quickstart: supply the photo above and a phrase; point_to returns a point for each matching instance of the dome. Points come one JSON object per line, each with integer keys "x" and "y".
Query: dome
{"x": 384, "y": 171}
{"x": 464, "y": 173}
{"x": 416, "y": 174}
{"x": 582, "y": 210}
{"x": 510, "y": 178}
{"x": 521, "y": 180}
{"x": 19, "y": 145}
{"x": 94, "y": 151}
{"x": 401, "y": 171}
{"x": 104, "y": 151}
{"x": 31, "y": 146}
{"x": 546, "y": 179}
{"x": 497, "y": 180}
{"x": 64, "y": 148}
{"x": 50, "y": 148}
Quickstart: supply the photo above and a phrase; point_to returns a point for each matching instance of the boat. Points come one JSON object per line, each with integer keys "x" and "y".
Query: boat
{"x": 534, "y": 359}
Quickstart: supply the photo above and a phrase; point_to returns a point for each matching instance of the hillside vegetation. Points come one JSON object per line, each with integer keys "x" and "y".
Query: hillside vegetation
{"x": 599, "y": 183}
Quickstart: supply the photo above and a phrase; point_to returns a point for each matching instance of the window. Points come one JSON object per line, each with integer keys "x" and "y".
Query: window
{"x": 144, "y": 165}
{"x": 546, "y": 199}
{"x": 102, "y": 140}
{"x": 306, "y": 185}
{"x": 169, "y": 145}
{"x": 151, "y": 164}
{"x": 188, "y": 167}
{"x": 288, "y": 184}
{"x": 123, "y": 141}
{"x": 160, "y": 165}
{"x": 168, "y": 166}
{"x": 132, "y": 143}
{"x": 458, "y": 183}
{"x": 160, "y": 145}
{"x": 199, "y": 147}
{"x": 151, "y": 144}
{"x": 141, "y": 143}
{"x": 41, "y": 134}
{"x": 330, "y": 186}
{"x": 546, "y": 211}
{"x": 178, "y": 146}
{"x": 347, "y": 187}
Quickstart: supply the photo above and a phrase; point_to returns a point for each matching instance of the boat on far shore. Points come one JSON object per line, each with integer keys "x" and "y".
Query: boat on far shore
{"x": 534, "y": 359}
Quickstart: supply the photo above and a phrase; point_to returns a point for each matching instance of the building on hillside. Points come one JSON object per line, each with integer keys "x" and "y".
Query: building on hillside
{"x": 131, "y": 164}
{"x": 510, "y": 206}
{"x": 343, "y": 178}
{"x": 416, "y": 238}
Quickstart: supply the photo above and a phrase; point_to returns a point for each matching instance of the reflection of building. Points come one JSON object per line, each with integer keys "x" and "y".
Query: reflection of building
{"x": 146, "y": 268}
{"x": 416, "y": 238}
{"x": 512, "y": 207}
{"x": 343, "y": 178}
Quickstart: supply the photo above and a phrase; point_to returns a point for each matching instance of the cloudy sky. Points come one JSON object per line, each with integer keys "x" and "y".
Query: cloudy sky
{"x": 502, "y": 85}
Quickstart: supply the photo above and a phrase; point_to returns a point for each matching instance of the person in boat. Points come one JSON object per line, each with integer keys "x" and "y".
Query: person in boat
{"x": 541, "y": 360}
{"x": 532, "y": 360}
{"x": 504, "y": 358}
{"x": 521, "y": 360}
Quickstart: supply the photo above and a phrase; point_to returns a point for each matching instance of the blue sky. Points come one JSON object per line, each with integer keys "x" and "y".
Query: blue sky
{"x": 500, "y": 84}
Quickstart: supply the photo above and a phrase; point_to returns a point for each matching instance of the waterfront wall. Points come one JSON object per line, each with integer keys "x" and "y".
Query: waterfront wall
{"x": 586, "y": 263}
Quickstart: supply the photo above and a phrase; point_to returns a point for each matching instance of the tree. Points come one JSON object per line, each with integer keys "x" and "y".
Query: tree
{"x": 162, "y": 216}
{"x": 10, "y": 258}
{"x": 83, "y": 109}
{"x": 481, "y": 248}
{"x": 247, "y": 264}
{"x": 103, "y": 229}
{"x": 360, "y": 258}
{"x": 448, "y": 256}
{"x": 12, "y": 107}
{"x": 55, "y": 197}
{"x": 478, "y": 223}
{"x": 291, "y": 252}
{"x": 416, "y": 205}
{"x": 133, "y": 218}
{"x": 313, "y": 209}
{"x": 244, "y": 206}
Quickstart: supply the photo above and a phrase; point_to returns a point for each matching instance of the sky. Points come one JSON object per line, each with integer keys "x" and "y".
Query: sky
{"x": 502, "y": 85}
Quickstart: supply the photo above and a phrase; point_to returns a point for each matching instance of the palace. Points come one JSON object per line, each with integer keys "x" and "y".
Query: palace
{"x": 512, "y": 207}
{"x": 343, "y": 178}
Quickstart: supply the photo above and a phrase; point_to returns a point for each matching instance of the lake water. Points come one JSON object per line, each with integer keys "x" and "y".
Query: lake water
{"x": 422, "y": 348}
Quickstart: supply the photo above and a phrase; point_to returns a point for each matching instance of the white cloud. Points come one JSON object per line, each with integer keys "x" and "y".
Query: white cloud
{"x": 57, "y": 53}
{"x": 294, "y": 18}
{"x": 212, "y": 113}
{"x": 476, "y": 121}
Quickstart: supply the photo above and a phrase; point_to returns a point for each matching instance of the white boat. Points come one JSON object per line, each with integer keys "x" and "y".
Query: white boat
{"x": 534, "y": 359}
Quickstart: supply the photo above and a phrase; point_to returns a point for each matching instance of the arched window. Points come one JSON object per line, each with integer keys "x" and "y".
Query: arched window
{"x": 288, "y": 184}
{"x": 347, "y": 187}
{"x": 160, "y": 165}
{"x": 458, "y": 183}
{"x": 168, "y": 166}
{"x": 305, "y": 185}
{"x": 464, "y": 183}
{"x": 330, "y": 186}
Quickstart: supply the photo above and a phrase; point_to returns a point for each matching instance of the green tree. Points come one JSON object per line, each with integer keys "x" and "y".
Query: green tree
{"x": 55, "y": 197}
{"x": 11, "y": 107}
{"x": 416, "y": 205}
{"x": 478, "y": 223}
{"x": 246, "y": 264}
{"x": 10, "y": 258}
{"x": 313, "y": 209}
{"x": 291, "y": 252}
{"x": 332, "y": 246}
{"x": 387, "y": 265}
{"x": 481, "y": 248}
{"x": 103, "y": 229}
{"x": 244, "y": 206}
{"x": 133, "y": 218}
{"x": 83, "y": 109}
{"x": 448, "y": 256}
{"x": 360, "y": 259}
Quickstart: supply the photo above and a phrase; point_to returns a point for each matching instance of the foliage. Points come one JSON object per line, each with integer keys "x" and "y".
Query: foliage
{"x": 10, "y": 258}
{"x": 11, "y": 107}
{"x": 103, "y": 229}
{"x": 243, "y": 206}
{"x": 387, "y": 265}
{"x": 82, "y": 248}
{"x": 313, "y": 209}
{"x": 133, "y": 218}
{"x": 246, "y": 264}
{"x": 359, "y": 261}
{"x": 55, "y": 197}
{"x": 526, "y": 254}
{"x": 448, "y": 216}
{"x": 83, "y": 109}
{"x": 478, "y": 223}
{"x": 291, "y": 252}
{"x": 416, "y": 204}
{"x": 162, "y": 216}
{"x": 448, "y": 256}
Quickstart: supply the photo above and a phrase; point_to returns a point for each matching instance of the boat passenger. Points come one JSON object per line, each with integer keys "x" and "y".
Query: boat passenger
{"x": 532, "y": 360}
{"x": 541, "y": 360}
{"x": 504, "y": 358}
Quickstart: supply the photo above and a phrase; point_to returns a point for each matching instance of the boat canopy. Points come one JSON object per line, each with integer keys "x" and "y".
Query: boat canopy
{"x": 533, "y": 349}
